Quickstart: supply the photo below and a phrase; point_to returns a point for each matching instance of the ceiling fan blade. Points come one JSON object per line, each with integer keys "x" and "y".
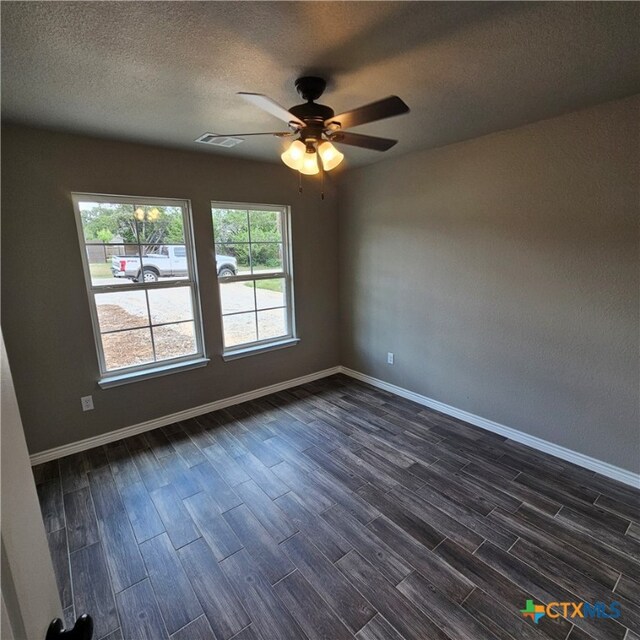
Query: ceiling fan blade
{"x": 270, "y": 106}
{"x": 385, "y": 108}
{"x": 366, "y": 142}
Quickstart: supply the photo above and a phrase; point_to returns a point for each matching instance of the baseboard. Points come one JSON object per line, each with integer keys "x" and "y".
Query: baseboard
{"x": 125, "y": 432}
{"x": 593, "y": 464}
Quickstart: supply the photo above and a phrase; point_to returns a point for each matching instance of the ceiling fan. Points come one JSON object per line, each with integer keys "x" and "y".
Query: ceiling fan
{"x": 316, "y": 126}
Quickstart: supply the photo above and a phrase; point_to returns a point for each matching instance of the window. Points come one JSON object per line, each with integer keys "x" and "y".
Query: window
{"x": 253, "y": 256}
{"x": 139, "y": 269}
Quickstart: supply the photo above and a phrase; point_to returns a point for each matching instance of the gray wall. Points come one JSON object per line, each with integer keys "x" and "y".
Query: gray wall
{"x": 503, "y": 274}
{"x": 45, "y": 312}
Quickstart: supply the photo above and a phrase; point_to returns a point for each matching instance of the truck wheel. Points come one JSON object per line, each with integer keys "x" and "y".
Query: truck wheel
{"x": 149, "y": 275}
{"x": 225, "y": 272}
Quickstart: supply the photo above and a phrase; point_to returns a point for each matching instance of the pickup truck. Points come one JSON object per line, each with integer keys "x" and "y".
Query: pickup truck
{"x": 164, "y": 262}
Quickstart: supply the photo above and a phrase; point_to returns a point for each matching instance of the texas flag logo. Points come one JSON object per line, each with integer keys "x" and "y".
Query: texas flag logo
{"x": 533, "y": 611}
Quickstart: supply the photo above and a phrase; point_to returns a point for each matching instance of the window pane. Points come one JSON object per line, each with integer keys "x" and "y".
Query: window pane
{"x": 236, "y": 297}
{"x": 265, "y": 226}
{"x": 162, "y": 262}
{"x": 272, "y": 324}
{"x": 127, "y": 348}
{"x": 122, "y": 310}
{"x": 266, "y": 257}
{"x": 270, "y": 293}
{"x": 174, "y": 340}
{"x": 106, "y": 222}
{"x": 170, "y": 305}
{"x": 239, "y": 329}
{"x": 233, "y": 257}
{"x": 112, "y": 264}
{"x": 99, "y": 265}
{"x": 230, "y": 226}
{"x": 256, "y": 238}
{"x": 133, "y": 246}
{"x": 159, "y": 224}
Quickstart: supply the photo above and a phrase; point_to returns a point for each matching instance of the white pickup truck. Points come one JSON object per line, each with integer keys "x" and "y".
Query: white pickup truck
{"x": 168, "y": 261}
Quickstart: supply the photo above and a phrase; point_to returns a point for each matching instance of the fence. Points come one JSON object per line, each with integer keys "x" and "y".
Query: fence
{"x": 99, "y": 252}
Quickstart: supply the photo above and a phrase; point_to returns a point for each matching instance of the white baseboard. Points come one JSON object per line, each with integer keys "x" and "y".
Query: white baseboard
{"x": 125, "y": 432}
{"x": 593, "y": 464}
{"x": 599, "y": 466}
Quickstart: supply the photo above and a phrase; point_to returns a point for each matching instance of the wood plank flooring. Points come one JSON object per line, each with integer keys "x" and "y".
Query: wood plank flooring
{"x": 335, "y": 511}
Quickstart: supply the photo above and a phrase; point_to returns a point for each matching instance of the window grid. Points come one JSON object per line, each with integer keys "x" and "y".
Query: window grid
{"x": 241, "y": 313}
{"x": 283, "y": 273}
{"x": 188, "y": 281}
{"x": 155, "y": 325}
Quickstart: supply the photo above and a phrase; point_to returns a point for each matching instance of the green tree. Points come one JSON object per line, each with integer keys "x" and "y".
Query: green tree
{"x": 104, "y": 235}
{"x": 157, "y": 225}
{"x": 234, "y": 228}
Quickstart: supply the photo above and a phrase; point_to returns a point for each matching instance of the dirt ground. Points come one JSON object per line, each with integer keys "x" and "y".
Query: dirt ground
{"x": 130, "y": 348}
{"x": 128, "y": 309}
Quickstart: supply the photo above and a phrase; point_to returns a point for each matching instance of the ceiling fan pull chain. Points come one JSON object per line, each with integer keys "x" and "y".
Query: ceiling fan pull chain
{"x": 322, "y": 178}
{"x": 299, "y": 182}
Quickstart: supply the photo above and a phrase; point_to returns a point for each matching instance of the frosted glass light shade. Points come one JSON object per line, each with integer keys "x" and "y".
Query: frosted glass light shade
{"x": 294, "y": 155}
{"x": 309, "y": 164}
{"x": 330, "y": 156}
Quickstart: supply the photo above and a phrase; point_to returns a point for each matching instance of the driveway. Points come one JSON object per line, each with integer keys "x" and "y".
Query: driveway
{"x": 127, "y": 309}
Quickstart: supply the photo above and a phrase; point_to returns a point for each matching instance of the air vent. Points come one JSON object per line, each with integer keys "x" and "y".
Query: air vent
{"x": 219, "y": 141}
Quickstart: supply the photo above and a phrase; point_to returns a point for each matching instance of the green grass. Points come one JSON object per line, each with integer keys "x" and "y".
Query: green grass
{"x": 269, "y": 285}
{"x": 100, "y": 269}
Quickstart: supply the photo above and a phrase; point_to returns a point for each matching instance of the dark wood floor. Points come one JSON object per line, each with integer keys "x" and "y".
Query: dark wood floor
{"x": 331, "y": 511}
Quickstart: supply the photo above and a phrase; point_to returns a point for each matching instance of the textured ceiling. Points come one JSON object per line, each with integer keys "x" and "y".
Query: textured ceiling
{"x": 166, "y": 72}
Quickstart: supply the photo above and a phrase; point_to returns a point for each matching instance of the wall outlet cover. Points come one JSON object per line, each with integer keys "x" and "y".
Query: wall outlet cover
{"x": 87, "y": 403}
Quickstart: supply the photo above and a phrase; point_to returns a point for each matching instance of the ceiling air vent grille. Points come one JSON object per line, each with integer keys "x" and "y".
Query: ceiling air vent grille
{"x": 219, "y": 141}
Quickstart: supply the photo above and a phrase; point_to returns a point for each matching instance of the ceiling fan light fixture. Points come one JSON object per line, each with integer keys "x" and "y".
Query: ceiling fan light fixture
{"x": 316, "y": 125}
{"x": 294, "y": 156}
{"x": 329, "y": 155}
{"x": 309, "y": 165}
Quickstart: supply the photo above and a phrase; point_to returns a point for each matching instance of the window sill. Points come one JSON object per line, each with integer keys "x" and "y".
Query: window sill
{"x": 162, "y": 370}
{"x": 256, "y": 349}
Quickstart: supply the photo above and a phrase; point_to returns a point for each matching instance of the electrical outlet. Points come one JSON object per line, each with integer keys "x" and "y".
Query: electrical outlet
{"x": 389, "y": 358}
{"x": 87, "y": 403}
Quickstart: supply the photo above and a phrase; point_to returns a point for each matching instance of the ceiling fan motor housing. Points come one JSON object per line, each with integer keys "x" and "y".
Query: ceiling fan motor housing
{"x": 312, "y": 114}
{"x": 310, "y": 87}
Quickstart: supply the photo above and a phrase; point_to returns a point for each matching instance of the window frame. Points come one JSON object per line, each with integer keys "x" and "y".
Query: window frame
{"x": 115, "y": 377}
{"x": 268, "y": 344}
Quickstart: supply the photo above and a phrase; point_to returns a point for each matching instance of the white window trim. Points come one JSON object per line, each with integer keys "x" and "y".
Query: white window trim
{"x": 152, "y": 372}
{"x": 117, "y": 377}
{"x": 280, "y": 342}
